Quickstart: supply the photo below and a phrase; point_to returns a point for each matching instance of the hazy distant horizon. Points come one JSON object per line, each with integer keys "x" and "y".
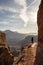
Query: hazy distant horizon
{"x": 19, "y": 15}
{"x": 34, "y": 33}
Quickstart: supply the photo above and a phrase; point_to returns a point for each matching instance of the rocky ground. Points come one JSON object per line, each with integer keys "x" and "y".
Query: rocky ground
{"x": 27, "y": 55}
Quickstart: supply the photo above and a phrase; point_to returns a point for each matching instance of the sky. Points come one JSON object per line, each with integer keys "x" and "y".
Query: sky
{"x": 19, "y": 15}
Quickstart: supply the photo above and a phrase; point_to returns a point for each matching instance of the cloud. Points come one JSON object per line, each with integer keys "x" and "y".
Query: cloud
{"x": 34, "y": 6}
{"x": 19, "y": 14}
{"x": 8, "y": 9}
{"x": 20, "y": 2}
{"x": 4, "y": 22}
{"x": 23, "y": 13}
{"x": 32, "y": 16}
{"x": 24, "y": 16}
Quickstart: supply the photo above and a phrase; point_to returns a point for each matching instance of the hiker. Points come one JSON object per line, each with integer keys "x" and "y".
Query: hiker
{"x": 32, "y": 39}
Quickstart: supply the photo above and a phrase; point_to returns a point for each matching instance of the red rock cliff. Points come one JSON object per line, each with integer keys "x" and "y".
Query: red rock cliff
{"x": 39, "y": 54}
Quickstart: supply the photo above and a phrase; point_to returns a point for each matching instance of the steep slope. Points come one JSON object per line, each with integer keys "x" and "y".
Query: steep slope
{"x": 27, "y": 55}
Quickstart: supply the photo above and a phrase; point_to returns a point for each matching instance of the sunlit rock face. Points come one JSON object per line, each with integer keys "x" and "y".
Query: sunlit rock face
{"x": 2, "y": 38}
{"x": 6, "y": 57}
{"x": 3, "y": 42}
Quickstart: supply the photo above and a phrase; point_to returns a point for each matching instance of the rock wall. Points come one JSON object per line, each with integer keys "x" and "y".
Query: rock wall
{"x": 40, "y": 25}
{"x": 6, "y": 57}
{"x": 39, "y": 53}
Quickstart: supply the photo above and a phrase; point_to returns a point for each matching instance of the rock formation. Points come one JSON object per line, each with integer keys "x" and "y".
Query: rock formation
{"x": 6, "y": 57}
{"x": 3, "y": 40}
{"x": 39, "y": 54}
{"x": 27, "y": 55}
{"x": 40, "y": 25}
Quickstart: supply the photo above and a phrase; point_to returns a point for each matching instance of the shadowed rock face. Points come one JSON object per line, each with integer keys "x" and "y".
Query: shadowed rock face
{"x": 40, "y": 25}
{"x": 6, "y": 57}
{"x": 39, "y": 53}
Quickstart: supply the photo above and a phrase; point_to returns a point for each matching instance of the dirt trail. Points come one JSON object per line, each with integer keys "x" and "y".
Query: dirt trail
{"x": 27, "y": 56}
